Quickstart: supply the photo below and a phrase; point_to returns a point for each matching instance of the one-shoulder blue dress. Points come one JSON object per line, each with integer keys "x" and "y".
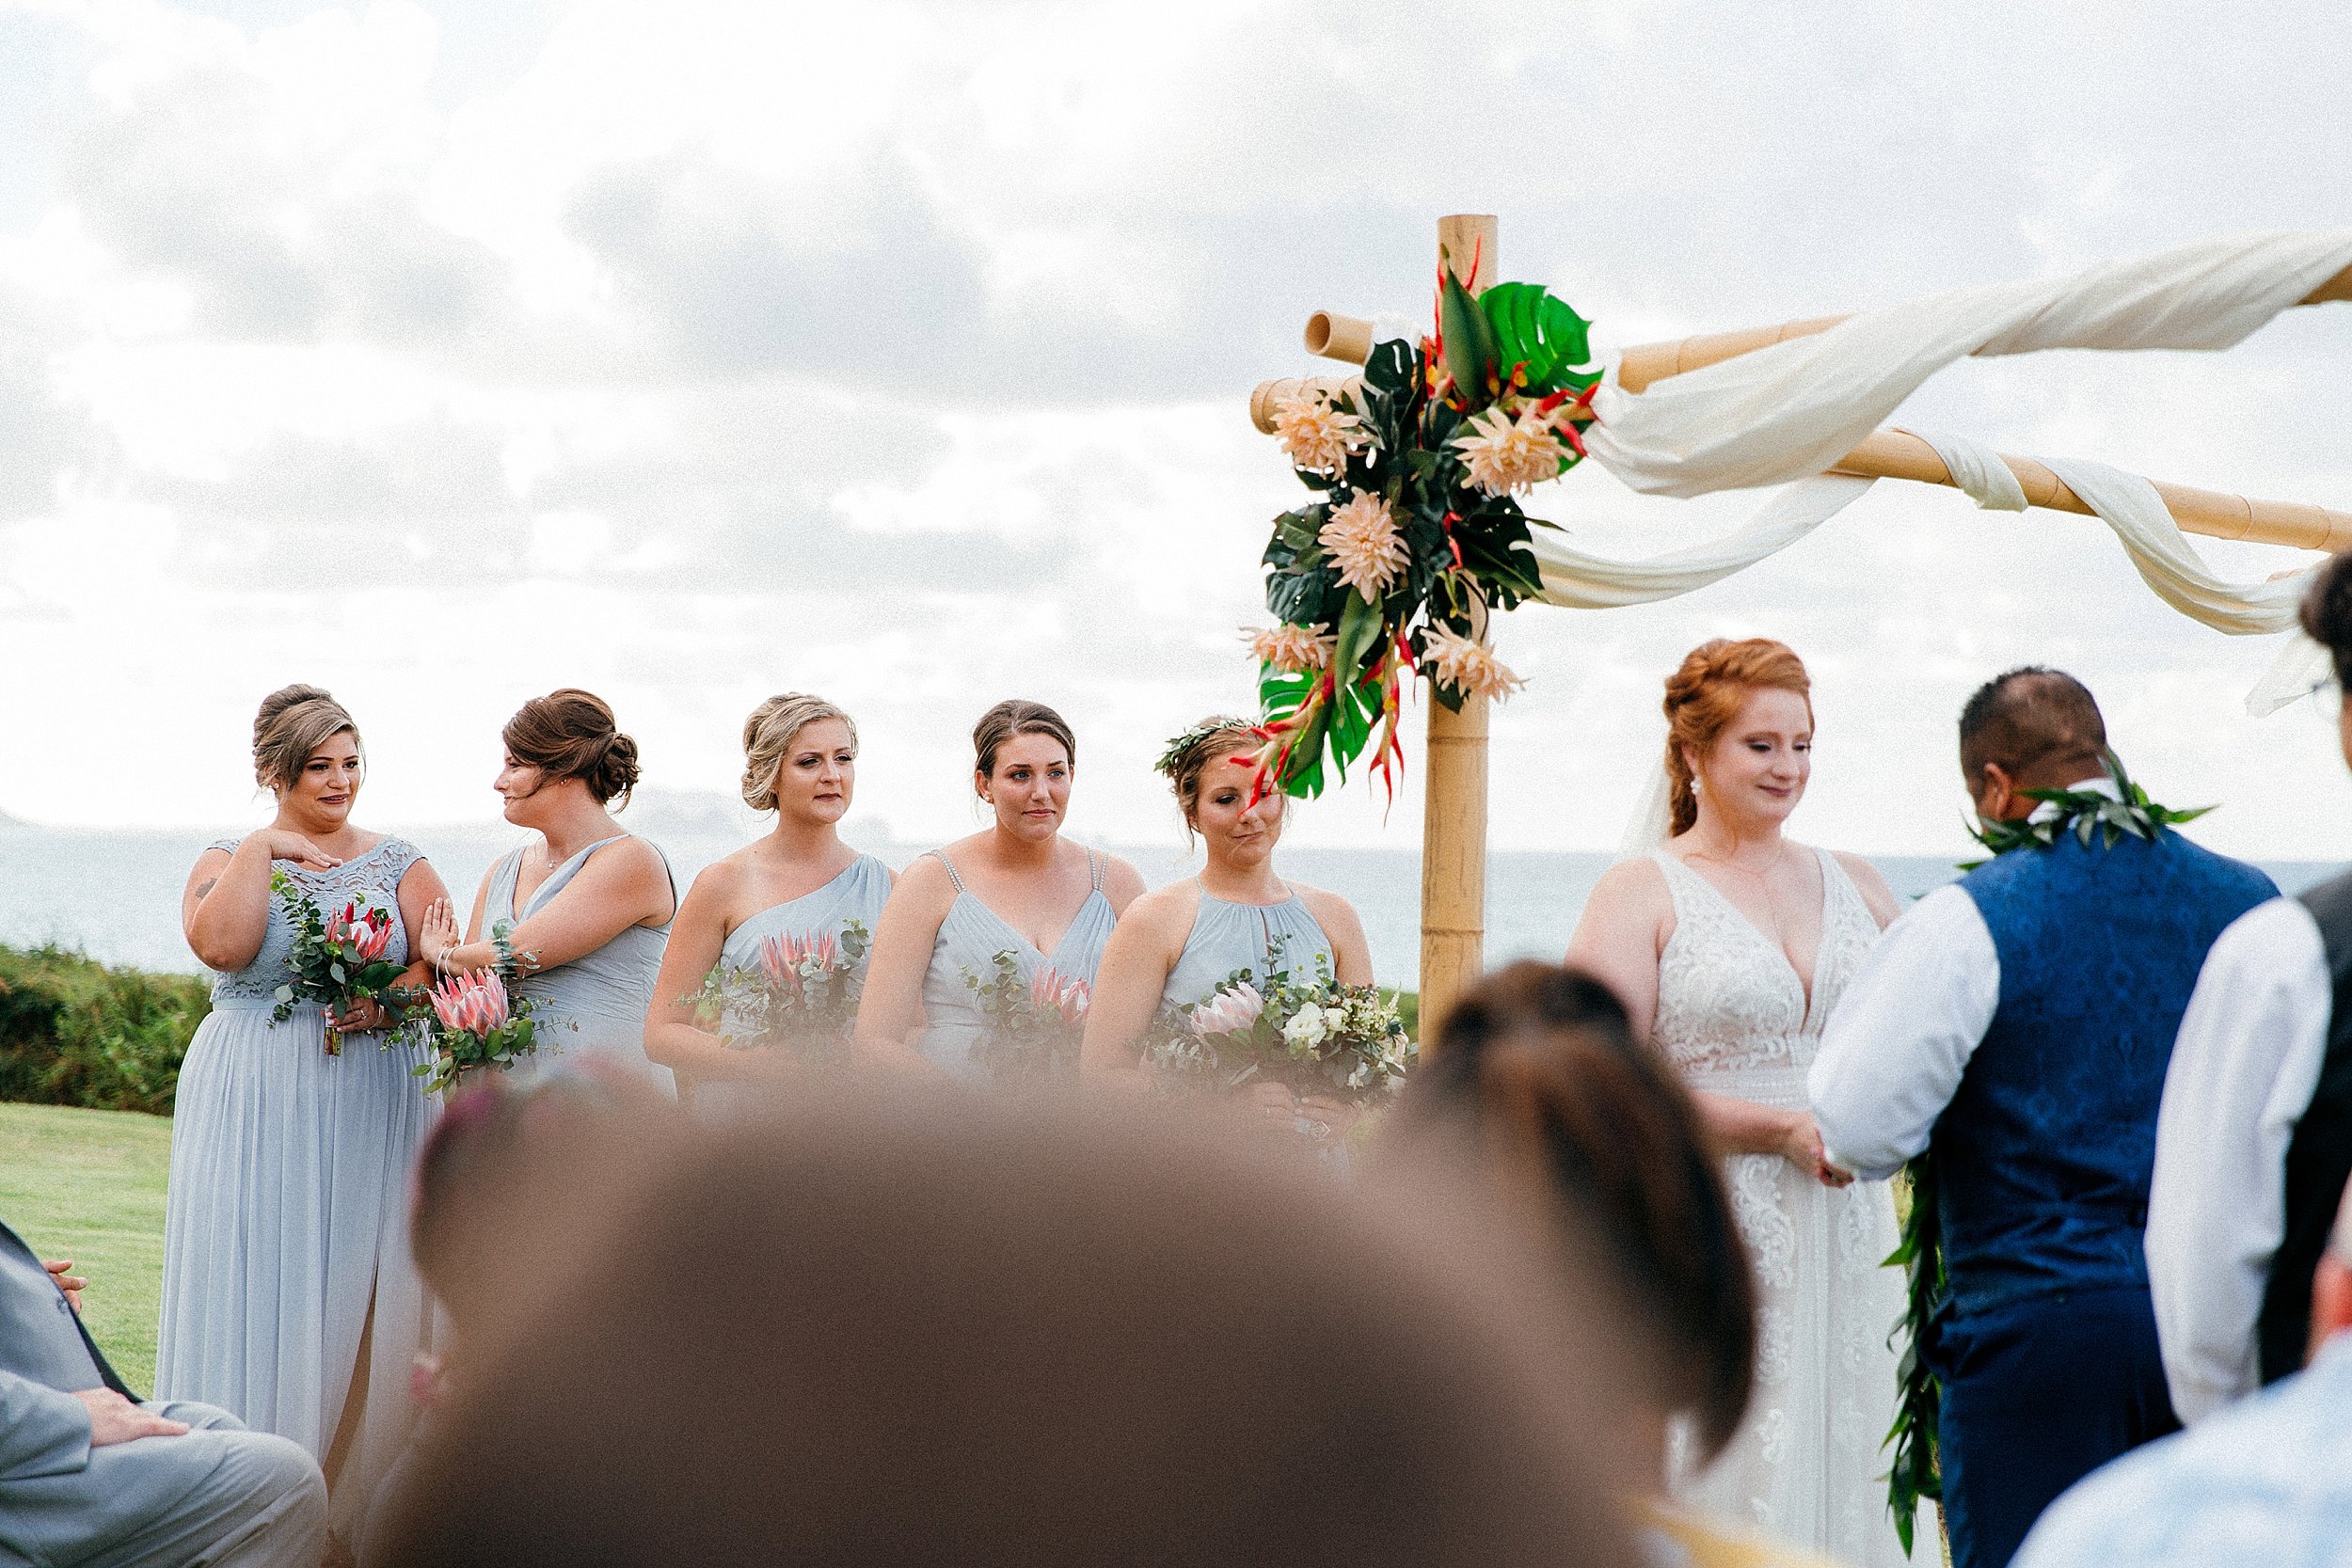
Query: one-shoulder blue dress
{"x": 969, "y": 940}
{"x": 595, "y": 1006}
{"x": 286, "y": 1223}
{"x": 857, "y": 893}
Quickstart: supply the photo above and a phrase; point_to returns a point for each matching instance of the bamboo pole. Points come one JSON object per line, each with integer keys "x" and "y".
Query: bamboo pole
{"x": 1332, "y": 336}
{"x": 1646, "y": 363}
{"x": 1268, "y": 394}
{"x": 1899, "y": 455}
{"x": 1453, "y": 814}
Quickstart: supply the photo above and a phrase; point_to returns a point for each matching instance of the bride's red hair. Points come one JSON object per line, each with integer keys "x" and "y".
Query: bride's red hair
{"x": 1704, "y": 697}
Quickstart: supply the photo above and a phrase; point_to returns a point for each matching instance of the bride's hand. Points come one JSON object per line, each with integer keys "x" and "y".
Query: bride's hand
{"x": 441, "y": 933}
{"x": 1804, "y": 1149}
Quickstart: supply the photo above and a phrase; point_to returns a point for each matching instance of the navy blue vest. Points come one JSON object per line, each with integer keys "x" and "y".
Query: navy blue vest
{"x": 2043, "y": 1156}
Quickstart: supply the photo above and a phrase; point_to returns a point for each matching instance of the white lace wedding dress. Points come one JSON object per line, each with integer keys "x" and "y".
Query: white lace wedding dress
{"x": 1732, "y": 1014}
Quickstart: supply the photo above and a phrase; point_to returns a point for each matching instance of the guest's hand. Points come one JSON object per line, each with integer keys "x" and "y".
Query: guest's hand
{"x": 287, "y": 845}
{"x": 1804, "y": 1149}
{"x": 115, "y": 1419}
{"x": 71, "y": 1283}
{"x": 441, "y": 933}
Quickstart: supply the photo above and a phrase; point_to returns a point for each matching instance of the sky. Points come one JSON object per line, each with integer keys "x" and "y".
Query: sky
{"x": 443, "y": 354}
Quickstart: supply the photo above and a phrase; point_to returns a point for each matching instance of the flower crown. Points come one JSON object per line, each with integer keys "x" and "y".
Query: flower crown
{"x": 1182, "y": 750}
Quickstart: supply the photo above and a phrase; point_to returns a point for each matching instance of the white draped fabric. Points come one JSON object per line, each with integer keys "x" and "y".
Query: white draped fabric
{"x": 1781, "y": 415}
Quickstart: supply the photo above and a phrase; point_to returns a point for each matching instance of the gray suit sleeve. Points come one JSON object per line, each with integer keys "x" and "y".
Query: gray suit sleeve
{"x": 43, "y": 1431}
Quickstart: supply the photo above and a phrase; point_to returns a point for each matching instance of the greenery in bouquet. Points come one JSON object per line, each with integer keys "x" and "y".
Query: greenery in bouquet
{"x": 800, "y": 995}
{"x": 1312, "y": 1033}
{"x": 1034, "y": 1025}
{"x": 1415, "y": 534}
{"x": 481, "y": 1025}
{"x": 337, "y": 960}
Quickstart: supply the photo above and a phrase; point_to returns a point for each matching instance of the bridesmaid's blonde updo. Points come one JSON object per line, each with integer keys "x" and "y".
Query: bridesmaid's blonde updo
{"x": 294, "y": 721}
{"x": 768, "y": 737}
{"x": 1186, "y": 760}
{"x": 1705, "y": 696}
{"x": 1016, "y": 717}
{"x": 570, "y": 735}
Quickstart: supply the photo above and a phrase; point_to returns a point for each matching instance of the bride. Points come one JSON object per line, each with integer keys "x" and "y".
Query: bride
{"x": 1730, "y": 944}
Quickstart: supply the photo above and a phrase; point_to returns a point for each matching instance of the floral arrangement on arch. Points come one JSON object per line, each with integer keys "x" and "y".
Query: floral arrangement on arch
{"x": 1415, "y": 534}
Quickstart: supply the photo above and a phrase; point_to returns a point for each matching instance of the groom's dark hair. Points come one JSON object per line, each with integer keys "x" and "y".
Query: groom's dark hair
{"x": 2029, "y": 716}
{"x": 2326, "y": 614}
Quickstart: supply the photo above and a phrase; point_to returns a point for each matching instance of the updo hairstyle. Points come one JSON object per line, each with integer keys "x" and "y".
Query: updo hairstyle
{"x": 768, "y": 737}
{"x": 1186, "y": 760}
{"x": 294, "y": 721}
{"x": 1013, "y": 717}
{"x": 1706, "y": 694}
{"x": 570, "y": 735}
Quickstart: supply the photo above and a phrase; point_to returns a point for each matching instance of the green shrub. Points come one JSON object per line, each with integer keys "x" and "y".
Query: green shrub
{"x": 74, "y": 1032}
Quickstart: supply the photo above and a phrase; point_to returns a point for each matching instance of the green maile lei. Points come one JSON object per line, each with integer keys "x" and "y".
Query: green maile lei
{"x": 2092, "y": 817}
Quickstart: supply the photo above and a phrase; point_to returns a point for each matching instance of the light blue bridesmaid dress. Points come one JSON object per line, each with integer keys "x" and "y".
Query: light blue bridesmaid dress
{"x": 1226, "y": 937}
{"x": 970, "y": 938}
{"x": 857, "y": 893}
{"x": 595, "y": 1006}
{"x": 286, "y": 1223}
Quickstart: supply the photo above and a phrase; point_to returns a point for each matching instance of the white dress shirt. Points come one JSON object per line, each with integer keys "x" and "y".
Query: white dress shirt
{"x": 1893, "y": 1053}
{"x": 2244, "y": 1069}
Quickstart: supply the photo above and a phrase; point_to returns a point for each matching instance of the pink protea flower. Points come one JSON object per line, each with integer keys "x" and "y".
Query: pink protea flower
{"x": 472, "y": 1003}
{"x": 1317, "y": 436}
{"x": 1292, "y": 650}
{"x": 364, "y": 935}
{"x": 1364, "y": 544}
{"x": 1051, "y": 993}
{"x": 794, "y": 962}
{"x": 1229, "y": 1011}
{"x": 1467, "y": 665}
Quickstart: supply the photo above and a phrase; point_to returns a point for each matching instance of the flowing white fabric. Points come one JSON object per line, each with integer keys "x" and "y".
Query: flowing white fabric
{"x": 1734, "y": 1019}
{"x": 1792, "y": 410}
{"x": 1579, "y": 582}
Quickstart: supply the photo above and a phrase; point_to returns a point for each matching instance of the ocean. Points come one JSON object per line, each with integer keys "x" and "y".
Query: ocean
{"x": 116, "y": 894}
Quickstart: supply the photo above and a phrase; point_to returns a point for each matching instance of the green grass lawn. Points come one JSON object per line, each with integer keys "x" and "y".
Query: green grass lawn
{"x": 89, "y": 1186}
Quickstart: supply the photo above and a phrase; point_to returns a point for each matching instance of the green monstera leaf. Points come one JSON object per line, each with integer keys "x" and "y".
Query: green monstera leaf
{"x": 1539, "y": 335}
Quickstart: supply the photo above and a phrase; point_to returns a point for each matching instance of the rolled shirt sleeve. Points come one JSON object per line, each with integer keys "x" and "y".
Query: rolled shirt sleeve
{"x": 2244, "y": 1069}
{"x": 1902, "y": 1035}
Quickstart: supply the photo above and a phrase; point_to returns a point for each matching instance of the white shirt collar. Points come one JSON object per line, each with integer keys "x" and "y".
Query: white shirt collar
{"x": 2099, "y": 786}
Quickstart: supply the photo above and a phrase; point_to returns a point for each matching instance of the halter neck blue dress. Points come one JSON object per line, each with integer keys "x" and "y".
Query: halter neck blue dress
{"x": 1227, "y": 936}
{"x": 286, "y": 1224}
{"x": 596, "y": 1004}
{"x": 969, "y": 940}
{"x": 857, "y": 893}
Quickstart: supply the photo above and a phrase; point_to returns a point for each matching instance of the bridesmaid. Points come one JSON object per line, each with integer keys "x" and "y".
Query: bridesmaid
{"x": 588, "y": 906}
{"x": 289, "y": 1296}
{"x": 1016, "y": 885}
{"x": 1176, "y": 944}
{"x": 800, "y": 761}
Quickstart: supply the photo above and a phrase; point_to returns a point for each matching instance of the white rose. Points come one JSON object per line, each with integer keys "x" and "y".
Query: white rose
{"x": 1307, "y": 1027}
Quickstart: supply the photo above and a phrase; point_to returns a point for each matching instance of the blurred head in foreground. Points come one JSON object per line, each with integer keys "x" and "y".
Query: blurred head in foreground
{"x": 1537, "y": 1070}
{"x": 938, "y": 1330}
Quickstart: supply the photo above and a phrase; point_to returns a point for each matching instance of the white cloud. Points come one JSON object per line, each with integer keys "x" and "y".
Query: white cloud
{"x": 446, "y": 354}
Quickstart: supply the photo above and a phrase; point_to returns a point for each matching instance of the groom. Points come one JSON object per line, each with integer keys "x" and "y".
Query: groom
{"x": 2018, "y": 1024}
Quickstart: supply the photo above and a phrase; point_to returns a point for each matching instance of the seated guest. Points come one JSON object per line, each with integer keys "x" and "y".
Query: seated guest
{"x": 1537, "y": 1075}
{"x": 2266, "y": 1482}
{"x": 931, "y": 1329}
{"x": 2255, "y": 1137}
{"x": 90, "y": 1475}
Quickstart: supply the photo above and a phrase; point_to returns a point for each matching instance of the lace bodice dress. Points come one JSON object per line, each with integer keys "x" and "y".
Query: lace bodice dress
{"x": 1734, "y": 1018}
{"x": 286, "y": 1223}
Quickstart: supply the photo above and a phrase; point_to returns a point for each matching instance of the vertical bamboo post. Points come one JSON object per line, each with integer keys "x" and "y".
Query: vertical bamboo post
{"x": 1454, "y": 816}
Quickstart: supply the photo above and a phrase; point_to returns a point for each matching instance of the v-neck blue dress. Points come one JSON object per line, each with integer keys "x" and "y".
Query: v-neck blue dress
{"x": 596, "y": 1004}
{"x": 1263, "y": 939}
{"x": 969, "y": 940}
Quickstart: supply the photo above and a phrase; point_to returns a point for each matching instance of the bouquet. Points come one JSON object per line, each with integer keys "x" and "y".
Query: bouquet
{"x": 482, "y": 1026}
{"x": 802, "y": 993}
{"x": 1034, "y": 1027}
{"x": 1315, "y": 1034}
{"x": 337, "y": 960}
